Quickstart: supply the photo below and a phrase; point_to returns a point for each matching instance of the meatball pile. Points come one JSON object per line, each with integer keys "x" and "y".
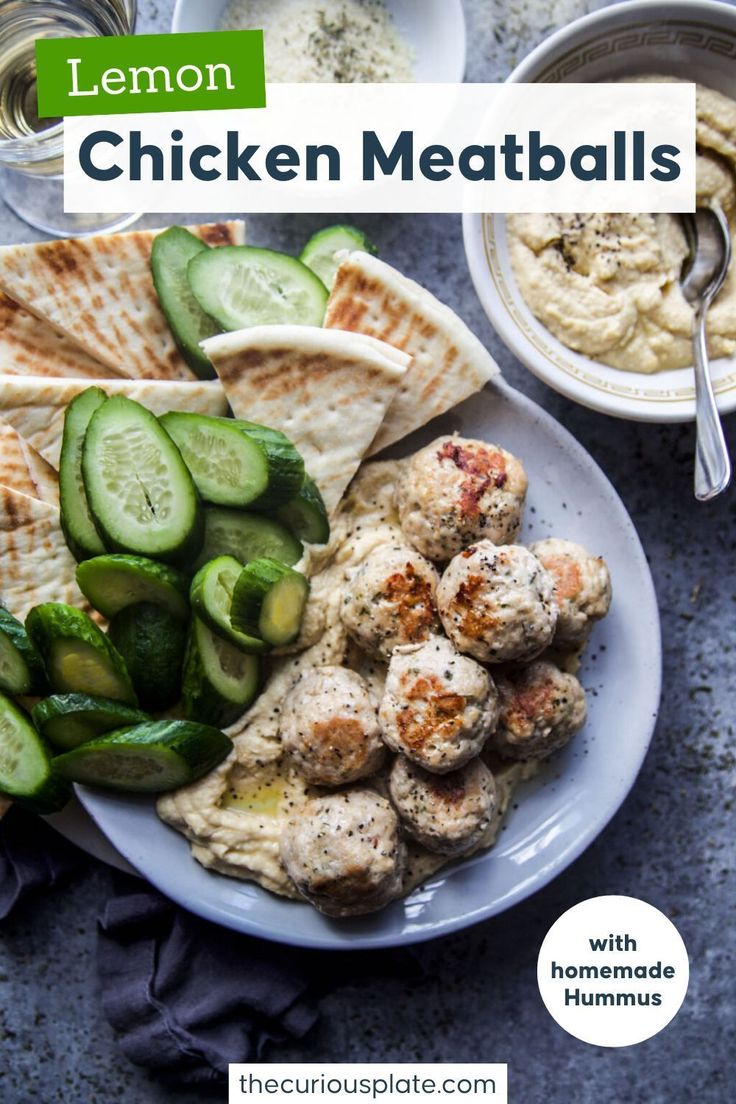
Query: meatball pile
{"x": 464, "y": 618}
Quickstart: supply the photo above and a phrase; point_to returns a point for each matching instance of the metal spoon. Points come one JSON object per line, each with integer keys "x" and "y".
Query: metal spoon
{"x": 709, "y": 239}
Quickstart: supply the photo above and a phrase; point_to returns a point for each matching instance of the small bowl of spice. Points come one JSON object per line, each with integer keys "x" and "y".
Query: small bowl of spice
{"x": 343, "y": 41}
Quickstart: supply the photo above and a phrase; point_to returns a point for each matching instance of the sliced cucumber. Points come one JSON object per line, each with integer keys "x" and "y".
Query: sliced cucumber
{"x": 240, "y": 286}
{"x": 113, "y": 582}
{"x": 77, "y": 522}
{"x": 152, "y": 643}
{"x": 68, "y": 720}
{"x": 220, "y": 681}
{"x": 25, "y": 766}
{"x": 171, "y": 253}
{"x": 21, "y": 668}
{"x": 139, "y": 489}
{"x": 149, "y": 758}
{"x": 77, "y": 655}
{"x": 319, "y": 252}
{"x": 211, "y": 596}
{"x": 233, "y": 464}
{"x": 246, "y": 537}
{"x": 269, "y": 600}
{"x": 305, "y": 515}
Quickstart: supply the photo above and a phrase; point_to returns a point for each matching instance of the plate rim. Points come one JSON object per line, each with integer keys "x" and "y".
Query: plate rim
{"x": 377, "y": 941}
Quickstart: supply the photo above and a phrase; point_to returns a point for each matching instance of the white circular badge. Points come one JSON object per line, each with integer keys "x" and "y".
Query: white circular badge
{"x": 613, "y": 971}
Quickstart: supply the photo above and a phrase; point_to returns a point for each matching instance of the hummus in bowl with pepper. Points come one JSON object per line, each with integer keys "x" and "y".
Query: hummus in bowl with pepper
{"x": 608, "y": 285}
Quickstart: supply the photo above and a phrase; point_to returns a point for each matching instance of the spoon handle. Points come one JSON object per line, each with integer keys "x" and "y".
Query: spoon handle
{"x": 712, "y": 462}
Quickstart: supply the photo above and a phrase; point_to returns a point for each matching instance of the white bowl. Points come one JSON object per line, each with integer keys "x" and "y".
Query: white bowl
{"x": 435, "y": 29}
{"x": 693, "y": 39}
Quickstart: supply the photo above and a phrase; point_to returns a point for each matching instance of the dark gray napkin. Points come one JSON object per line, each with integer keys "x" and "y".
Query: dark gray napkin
{"x": 187, "y": 997}
{"x": 32, "y": 856}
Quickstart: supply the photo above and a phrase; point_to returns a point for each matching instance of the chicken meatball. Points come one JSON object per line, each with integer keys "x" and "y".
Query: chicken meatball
{"x": 329, "y": 728}
{"x": 445, "y": 813}
{"x": 497, "y": 603}
{"x": 457, "y": 491}
{"x": 344, "y": 852}
{"x": 390, "y": 600}
{"x": 438, "y": 707}
{"x": 541, "y": 710}
{"x": 582, "y": 588}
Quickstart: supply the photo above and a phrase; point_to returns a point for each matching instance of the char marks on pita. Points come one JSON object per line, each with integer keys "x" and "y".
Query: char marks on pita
{"x": 36, "y": 564}
{"x": 448, "y": 361}
{"x": 98, "y": 292}
{"x": 36, "y": 407}
{"x": 328, "y": 391}
{"x": 30, "y": 347}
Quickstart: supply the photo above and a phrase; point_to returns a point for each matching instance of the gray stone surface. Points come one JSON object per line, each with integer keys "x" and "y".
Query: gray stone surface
{"x": 671, "y": 843}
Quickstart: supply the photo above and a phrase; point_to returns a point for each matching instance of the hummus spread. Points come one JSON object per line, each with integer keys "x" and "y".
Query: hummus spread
{"x": 608, "y": 285}
{"x": 234, "y": 817}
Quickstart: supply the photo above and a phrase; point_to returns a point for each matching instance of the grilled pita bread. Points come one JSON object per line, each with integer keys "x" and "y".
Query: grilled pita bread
{"x": 36, "y": 407}
{"x": 30, "y": 347}
{"x": 23, "y": 470}
{"x": 35, "y": 563}
{"x": 448, "y": 361}
{"x": 326, "y": 390}
{"x": 98, "y": 292}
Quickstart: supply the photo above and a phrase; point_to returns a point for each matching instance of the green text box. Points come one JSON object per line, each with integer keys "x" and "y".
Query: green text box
{"x": 143, "y": 73}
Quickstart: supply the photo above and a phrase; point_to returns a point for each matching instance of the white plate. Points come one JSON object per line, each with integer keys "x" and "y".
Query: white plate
{"x": 74, "y": 824}
{"x": 435, "y": 29}
{"x": 560, "y": 813}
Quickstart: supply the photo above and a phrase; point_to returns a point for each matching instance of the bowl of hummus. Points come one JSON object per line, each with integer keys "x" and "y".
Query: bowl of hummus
{"x": 592, "y": 303}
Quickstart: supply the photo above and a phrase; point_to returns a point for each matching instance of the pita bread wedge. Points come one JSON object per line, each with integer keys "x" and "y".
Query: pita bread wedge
{"x": 326, "y": 390}
{"x": 98, "y": 292}
{"x": 448, "y": 362}
{"x": 36, "y": 407}
{"x": 30, "y": 347}
{"x": 35, "y": 563}
{"x": 23, "y": 470}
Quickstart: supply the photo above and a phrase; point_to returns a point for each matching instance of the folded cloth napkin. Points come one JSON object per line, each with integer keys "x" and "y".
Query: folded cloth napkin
{"x": 32, "y": 856}
{"x": 187, "y": 997}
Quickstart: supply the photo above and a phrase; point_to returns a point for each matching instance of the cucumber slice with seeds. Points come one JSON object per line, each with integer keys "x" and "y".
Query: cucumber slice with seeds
{"x": 148, "y": 758}
{"x": 220, "y": 681}
{"x": 152, "y": 643}
{"x": 170, "y": 255}
{"x": 113, "y": 582}
{"x": 246, "y": 537}
{"x": 21, "y": 668}
{"x": 231, "y": 464}
{"x": 269, "y": 600}
{"x": 319, "y": 252}
{"x": 77, "y": 655}
{"x": 68, "y": 720}
{"x": 26, "y": 774}
{"x": 211, "y": 596}
{"x": 139, "y": 489}
{"x": 77, "y": 522}
{"x": 306, "y": 515}
{"x": 240, "y": 286}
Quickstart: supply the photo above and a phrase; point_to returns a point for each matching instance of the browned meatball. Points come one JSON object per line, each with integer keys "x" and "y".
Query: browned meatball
{"x": 457, "y": 491}
{"x": 541, "y": 710}
{"x": 445, "y": 813}
{"x": 329, "y": 728}
{"x": 344, "y": 853}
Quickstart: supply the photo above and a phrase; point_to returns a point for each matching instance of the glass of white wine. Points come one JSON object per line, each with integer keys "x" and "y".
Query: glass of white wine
{"x": 31, "y": 149}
